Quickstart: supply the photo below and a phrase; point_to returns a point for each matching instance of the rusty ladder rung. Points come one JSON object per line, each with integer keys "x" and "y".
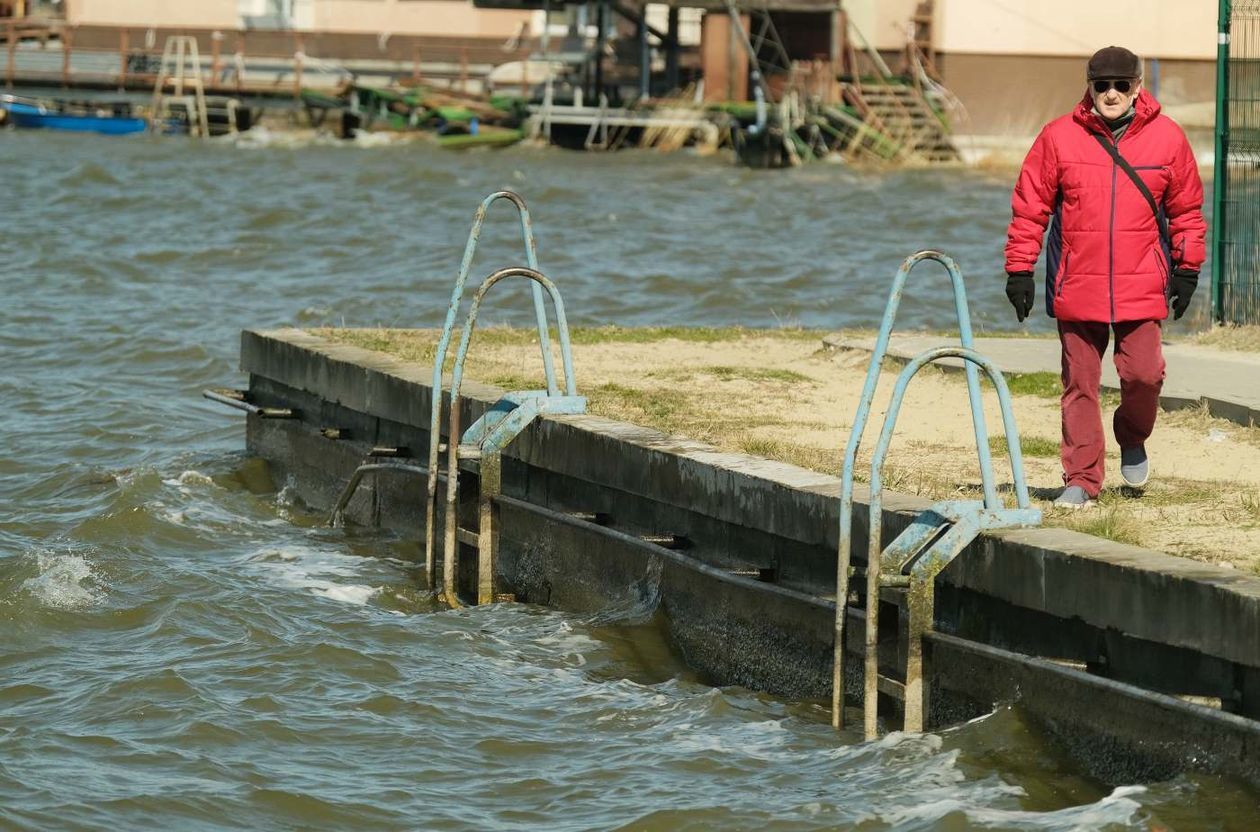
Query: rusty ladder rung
{"x": 891, "y": 687}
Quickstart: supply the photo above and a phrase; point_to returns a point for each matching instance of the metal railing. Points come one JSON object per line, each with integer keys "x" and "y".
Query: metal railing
{"x": 1236, "y": 214}
{"x": 913, "y": 560}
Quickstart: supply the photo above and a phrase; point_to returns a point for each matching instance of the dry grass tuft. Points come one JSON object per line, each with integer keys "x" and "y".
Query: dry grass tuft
{"x": 1232, "y": 338}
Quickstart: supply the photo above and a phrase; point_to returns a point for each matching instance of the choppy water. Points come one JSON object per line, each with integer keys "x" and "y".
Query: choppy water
{"x": 184, "y": 646}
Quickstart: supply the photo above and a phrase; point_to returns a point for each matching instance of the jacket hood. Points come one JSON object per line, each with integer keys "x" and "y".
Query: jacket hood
{"x": 1146, "y": 108}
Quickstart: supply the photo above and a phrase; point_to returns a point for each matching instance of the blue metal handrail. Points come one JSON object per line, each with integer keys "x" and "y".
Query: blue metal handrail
{"x": 930, "y": 543}
{"x": 517, "y": 411}
{"x": 844, "y": 549}
{"x": 541, "y": 282}
{"x": 894, "y": 408}
{"x": 452, "y": 310}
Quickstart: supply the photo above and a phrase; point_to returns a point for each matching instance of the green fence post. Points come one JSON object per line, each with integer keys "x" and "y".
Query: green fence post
{"x": 1221, "y": 162}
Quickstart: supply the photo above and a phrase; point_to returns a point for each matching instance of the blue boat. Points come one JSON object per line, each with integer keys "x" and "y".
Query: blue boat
{"x": 113, "y": 118}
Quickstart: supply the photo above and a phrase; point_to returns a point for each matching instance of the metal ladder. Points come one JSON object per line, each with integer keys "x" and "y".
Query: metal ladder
{"x": 181, "y": 64}
{"x": 914, "y": 559}
{"x": 483, "y": 442}
{"x": 373, "y": 465}
{"x": 439, "y": 359}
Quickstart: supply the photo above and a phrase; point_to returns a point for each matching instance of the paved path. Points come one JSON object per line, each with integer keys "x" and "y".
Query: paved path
{"x": 1228, "y": 382}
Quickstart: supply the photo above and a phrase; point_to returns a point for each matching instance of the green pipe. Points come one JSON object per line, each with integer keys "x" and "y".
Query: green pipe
{"x": 1220, "y": 164}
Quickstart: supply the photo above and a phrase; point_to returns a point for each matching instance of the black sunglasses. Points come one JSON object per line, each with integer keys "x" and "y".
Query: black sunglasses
{"x": 1122, "y": 86}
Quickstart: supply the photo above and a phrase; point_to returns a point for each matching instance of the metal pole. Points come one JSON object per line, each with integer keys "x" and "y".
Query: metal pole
{"x": 645, "y": 58}
{"x": 299, "y": 56}
{"x": 216, "y": 45}
{"x": 1220, "y": 180}
{"x": 239, "y": 60}
{"x": 123, "y": 36}
{"x": 11, "y": 66}
{"x": 601, "y": 23}
{"x": 671, "y": 51}
{"x": 67, "y": 42}
{"x": 549, "y": 87}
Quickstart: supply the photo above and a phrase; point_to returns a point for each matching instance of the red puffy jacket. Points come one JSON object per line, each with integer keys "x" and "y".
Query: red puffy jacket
{"x": 1105, "y": 260}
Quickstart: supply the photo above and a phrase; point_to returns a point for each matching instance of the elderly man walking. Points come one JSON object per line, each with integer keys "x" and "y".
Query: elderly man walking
{"x": 1117, "y": 184}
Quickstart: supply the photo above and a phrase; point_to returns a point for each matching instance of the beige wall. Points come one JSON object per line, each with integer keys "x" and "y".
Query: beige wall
{"x": 1157, "y": 28}
{"x": 454, "y": 18}
{"x": 451, "y": 18}
{"x": 1033, "y": 90}
{"x": 192, "y": 13}
{"x": 882, "y": 22}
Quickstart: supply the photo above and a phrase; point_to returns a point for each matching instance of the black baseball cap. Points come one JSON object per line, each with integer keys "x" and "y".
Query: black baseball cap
{"x": 1114, "y": 62}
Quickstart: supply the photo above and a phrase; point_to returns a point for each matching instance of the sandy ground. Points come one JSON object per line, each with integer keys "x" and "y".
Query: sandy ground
{"x": 782, "y": 396}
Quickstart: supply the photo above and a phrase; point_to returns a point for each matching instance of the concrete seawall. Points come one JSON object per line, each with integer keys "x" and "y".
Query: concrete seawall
{"x": 1117, "y": 634}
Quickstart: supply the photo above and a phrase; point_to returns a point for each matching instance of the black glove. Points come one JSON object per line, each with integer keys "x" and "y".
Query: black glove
{"x": 1182, "y": 289}
{"x": 1019, "y": 291}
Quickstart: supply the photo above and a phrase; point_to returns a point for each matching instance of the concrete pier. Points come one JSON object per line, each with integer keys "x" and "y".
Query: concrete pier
{"x": 1079, "y": 630}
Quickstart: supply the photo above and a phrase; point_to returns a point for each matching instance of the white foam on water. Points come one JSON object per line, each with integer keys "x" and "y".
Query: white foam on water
{"x": 176, "y": 517}
{"x": 347, "y": 594}
{"x": 60, "y": 582}
{"x": 764, "y": 740}
{"x": 316, "y": 571}
{"x": 190, "y": 477}
{"x": 1117, "y": 808}
{"x": 365, "y": 138}
{"x": 260, "y": 137}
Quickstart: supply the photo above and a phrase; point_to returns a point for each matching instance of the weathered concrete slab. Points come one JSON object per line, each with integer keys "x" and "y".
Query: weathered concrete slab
{"x": 1228, "y": 384}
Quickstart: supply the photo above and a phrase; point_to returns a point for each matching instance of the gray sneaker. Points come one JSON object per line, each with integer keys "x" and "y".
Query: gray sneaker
{"x": 1135, "y": 468}
{"x": 1073, "y": 497}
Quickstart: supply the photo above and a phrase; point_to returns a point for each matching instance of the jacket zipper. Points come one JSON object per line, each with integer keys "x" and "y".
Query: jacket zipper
{"x": 1111, "y": 240}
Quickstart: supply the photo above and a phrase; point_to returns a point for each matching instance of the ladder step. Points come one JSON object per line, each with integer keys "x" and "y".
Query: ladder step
{"x": 468, "y": 537}
{"x": 891, "y": 687}
{"x": 468, "y": 452}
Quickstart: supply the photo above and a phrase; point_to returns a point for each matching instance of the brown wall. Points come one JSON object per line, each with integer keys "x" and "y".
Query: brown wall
{"x": 725, "y": 67}
{"x": 1016, "y": 95}
{"x": 332, "y": 46}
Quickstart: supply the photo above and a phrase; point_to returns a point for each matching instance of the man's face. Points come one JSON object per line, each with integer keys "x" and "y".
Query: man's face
{"x": 1112, "y": 96}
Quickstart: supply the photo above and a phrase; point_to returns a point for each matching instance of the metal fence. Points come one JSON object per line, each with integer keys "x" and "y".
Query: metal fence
{"x": 1236, "y": 215}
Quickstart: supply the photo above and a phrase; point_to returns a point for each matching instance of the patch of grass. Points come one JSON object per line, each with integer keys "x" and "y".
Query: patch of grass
{"x": 816, "y": 459}
{"x": 1033, "y": 446}
{"x": 1165, "y": 492}
{"x": 757, "y": 374}
{"x": 673, "y": 413}
{"x": 699, "y": 334}
{"x": 1046, "y": 385}
{"x": 1110, "y": 523}
{"x": 514, "y": 381}
{"x": 1232, "y": 338}
{"x": 999, "y": 333}
{"x": 1250, "y": 501}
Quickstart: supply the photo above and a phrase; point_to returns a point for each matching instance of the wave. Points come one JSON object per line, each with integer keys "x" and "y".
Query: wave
{"x": 64, "y": 581}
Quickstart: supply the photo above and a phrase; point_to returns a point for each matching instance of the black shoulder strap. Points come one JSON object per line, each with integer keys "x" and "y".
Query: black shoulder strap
{"x": 1110, "y": 147}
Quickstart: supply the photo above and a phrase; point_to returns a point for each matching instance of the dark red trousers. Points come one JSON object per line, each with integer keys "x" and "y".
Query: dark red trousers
{"x": 1140, "y": 363}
